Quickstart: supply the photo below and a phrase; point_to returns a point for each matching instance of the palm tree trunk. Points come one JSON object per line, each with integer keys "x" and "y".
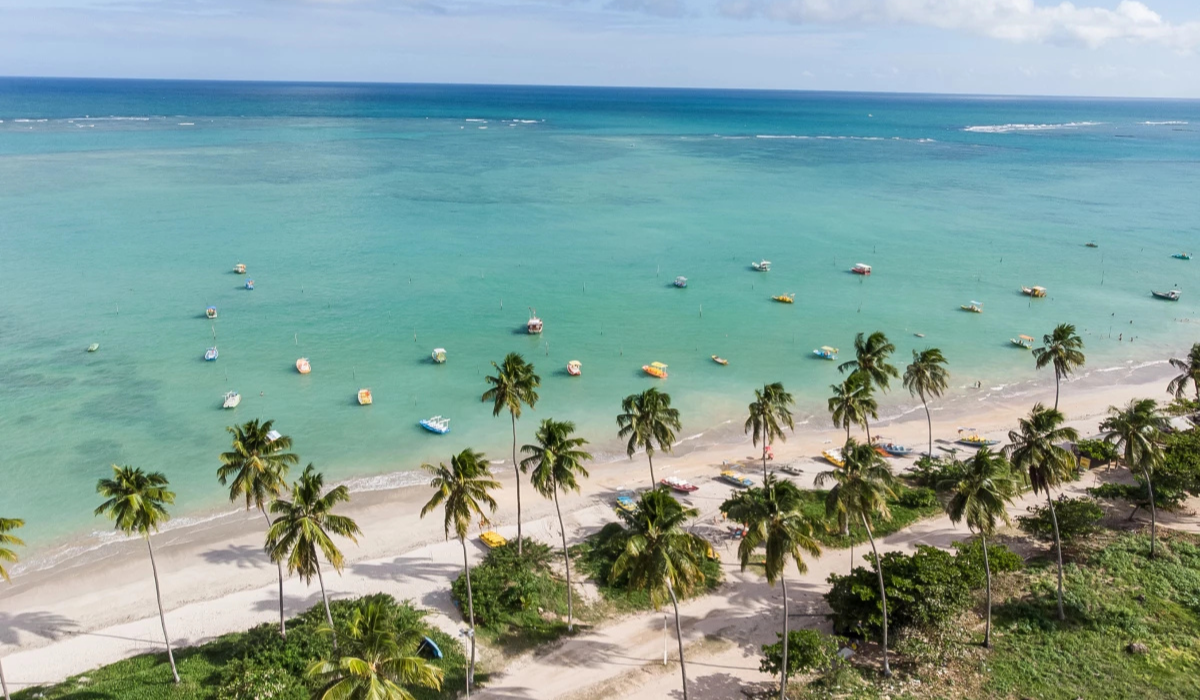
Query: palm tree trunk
{"x": 162, "y": 617}
{"x": 470, "y": 615}
{"x": 3, "y": 684}
{"x": 1056, "y": 383}
{"x": 653, "y": 481}
{"x": 279, "y": 566}
{"x": 887, "y": 670}
{"x": 987, "y": 570}
{"x": 784, "y": 665}
{"x": 847, "y": 431}
{"x": 1153, "y": 519}
{"x": 325, "y": 599}
{"x": 566, "y": 562}
{"x": 517, "y": 470}
{"x": 679, "y": 636}
{"x": 1058, "y": 550}
{"x": 929, "y": 422}
{"x": 867, "y": 427}
{"x": 764, "y": 454}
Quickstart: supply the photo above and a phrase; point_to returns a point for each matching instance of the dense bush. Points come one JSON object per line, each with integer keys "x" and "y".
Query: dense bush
{"x": 934, "y": 472}
{"x": 512, "y": 592}
{"x": 1077, "y": 517}
{"x": 920, "y": 497}
{"x": 1099, "y": 451}
{"x": 808, "y": 650}
{"x": 969, "y": 557}
{"x": 249, "y": 681}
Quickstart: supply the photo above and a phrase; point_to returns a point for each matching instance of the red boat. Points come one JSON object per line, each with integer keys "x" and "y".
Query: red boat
{"x": 861, "y": 269}
{"x": 680, "y": 485}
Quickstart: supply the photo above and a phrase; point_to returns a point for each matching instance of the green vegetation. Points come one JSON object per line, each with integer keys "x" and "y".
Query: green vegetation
{"x": 807, "y": 650}
{"x": 515, "y": 385}
{"x": 1077, "y": 518}
{"x": 1098, "y": 451}
{"x": 813, "y": 506}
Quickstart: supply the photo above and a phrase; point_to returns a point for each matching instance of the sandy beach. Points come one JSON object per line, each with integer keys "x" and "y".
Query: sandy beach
{"x": 98, "y": 607}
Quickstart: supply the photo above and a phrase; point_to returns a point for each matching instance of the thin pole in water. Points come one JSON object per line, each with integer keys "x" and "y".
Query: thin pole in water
{"x": 702, "y": 311}
{"x": 296, "y": 338}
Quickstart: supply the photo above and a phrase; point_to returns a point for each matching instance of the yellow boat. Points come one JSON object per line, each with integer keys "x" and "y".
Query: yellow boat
{"x": 786, "y": 298}
{"x": 655, "y": 369}
{"x": 364, "y": 397}
{"x": 492, "y": 539}
{"x": 834, "y": 457}
{"x": 1037, "y": 292}
{"x": 710, "y": 553}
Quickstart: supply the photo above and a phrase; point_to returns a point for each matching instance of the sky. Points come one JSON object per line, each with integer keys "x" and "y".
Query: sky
{"x": 1148, "y": 48}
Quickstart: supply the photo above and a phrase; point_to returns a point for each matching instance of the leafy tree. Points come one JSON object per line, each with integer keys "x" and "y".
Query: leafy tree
{"x": 807, "y": 650}
{"x": 935, "y": 473}
{"x": 137, "y": 503}
{"x": 302, "y": 527}
{"x": 513, "y": 590}
{"x": 1098, "y": 451}
{"x": 1136, "y": 432}
{"x": 647, "y": 420}
{"x": 1063, "y": 349}
{"x": 255, "y": 468}
{"x": 927, "y": 377}
{"x": 1070, "y": 520}
{"x": 769, "y": 414}
{"x": 1189, "y": 373}
{"x": 924, "y": 589}
{"x": 556, "y": 462}
{"x": 463, "y": 490}
{"x": 8, "y": 556}
{"x": 852, "y": 403}
{"x": 514, "y": 385}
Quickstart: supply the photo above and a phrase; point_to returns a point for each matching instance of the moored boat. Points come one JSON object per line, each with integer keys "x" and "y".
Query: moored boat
{"x": 974, "y": 307}
{"x": 240, "y": 269}
{"x": 680, "y": 282}
{"x": 364, "y": 397}
{"x": 720, "y": 360}
{"x": 761, "y": 266}
{"x": 893, "y": 449}
{"x": 436, "y": 424}
{"x": 232, "y": 399}
{"x": 1172, "y": 295}
{"x": 1022, "y": 341}
{"x": 786, "y": 298}
{"x": 93, "y": 347}
{"x": 1036, "y": 292}
{"x": 211, "y": 354}
{"x": 574, "y": 368}
{"x": 211, "y": 312}
{"x": 861, "y": 269}
{"x": 834, "y": 456}
{"x": 736, "y": 479}
{"x": 250, "y": 284}
{"x": 1182, "y": 256}
{"x": 826, "y": 353}
{"x": 534, "y": 325}
{"x": 439, "y": 355}
{"x": 655, "y": 369}
{"x": 303, "y": 366}
{"x": 1091, "y": 245}
{"x": 681, "y": 485}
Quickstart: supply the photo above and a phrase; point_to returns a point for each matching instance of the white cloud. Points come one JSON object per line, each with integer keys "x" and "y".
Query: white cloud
{"x": 1011, "y": 20}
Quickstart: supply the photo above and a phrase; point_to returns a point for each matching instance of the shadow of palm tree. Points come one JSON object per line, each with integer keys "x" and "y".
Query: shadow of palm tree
{"x": 715, "y": 686}
{"x": 243, "y": 555}
{"x": 407, "y": 568}
{"x": 38, "y": 622}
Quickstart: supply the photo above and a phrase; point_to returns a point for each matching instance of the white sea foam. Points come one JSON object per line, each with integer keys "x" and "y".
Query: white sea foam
{"x": 1173, "y": 122}
{"x": 484, "y": 121}
{"x": 1009, "y": 128}
{"x": 194, "y": 124}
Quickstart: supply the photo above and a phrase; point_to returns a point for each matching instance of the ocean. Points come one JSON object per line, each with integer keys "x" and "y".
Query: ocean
{"x": 382, "y": 221}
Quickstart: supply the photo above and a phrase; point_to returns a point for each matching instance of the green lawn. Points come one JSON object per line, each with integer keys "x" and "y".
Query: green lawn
{"x": 902, "y": 517}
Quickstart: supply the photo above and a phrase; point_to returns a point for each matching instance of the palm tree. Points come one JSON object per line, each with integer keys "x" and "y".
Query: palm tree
{"x": 463, "y": 491}
{"x": 927, "y": 377}
{"x": 514, "y": 385}
{"x": 981, "y": 492}
{"x": 302, "y": 527}
{"x": 8, "y": 555}
{"x": 852, "y": 403}
{"x": 137, "y": 503}
{"x": 1035, "y": 447}
{"x": 861, "y": 491}
{"x": 871, "y": 358}
{"x": 1063, "y": 349}
{"x": 257, "y": 466}
{"x": 1189, "y": 373}
{"x": 647, "y": 419}
{"x": 769, "y": 414}
{"x": 1137, "y": 432}
{"x": 773, "y": 518}
{"x": 660, "y": 557}
{"x": 374, "y": 664}
{"x": 557, "y": 464}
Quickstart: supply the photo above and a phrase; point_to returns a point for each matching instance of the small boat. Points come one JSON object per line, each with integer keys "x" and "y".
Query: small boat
{"x": 791, "y": 469}
{"x": 211, "y": 312}
{"x": 919, "y": 335}
{"x": 492, "y": 539}
{"x": 302, "y": 366}
{"x": 861, "y": 269}
{"x": 232, "y": 399}
{"x": 720, "y": 360}
{"x": 1022, "y": 341}
{"x": 974, "y": 439}
{"x": 834, "y": 457}
{"x": 211, "y": 354}
{"x": 273, "y": 435}
{"x": 626, "y": 501}
{"x": 364, "y": 397}
{"x": 1172, "y": 295}
{"x": 428, "y": 649}
{"x": 680, "y": 282}
{"x": 439, "y": 355}
{"x": 655, "y": 369}
{"x": 93, "y": 347}
{"x": 1036, "y": 292}
{"x": 574, "y": 368}
{"x": 437, "y": 424}
{"x": 534, "y": 325}
{"x": 736, "y": 479}
{"x": 1182, "y": 256}
{"x": 1091, "y": 245}
{"x": 786, "y": 298}
{"x": 826, "y": 353}
{"x": 240, "y": 269}
{"x": 761, "y": 266}
{"x": 250, "y": 284}
{"x": 894, "y": 450}
{"x": 974, "y": 307}
{"x": 681, "y": 485}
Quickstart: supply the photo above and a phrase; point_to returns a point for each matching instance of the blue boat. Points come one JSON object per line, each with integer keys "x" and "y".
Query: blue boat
{"x": 894, "y": 450}
{"x": 210, "y": 354}
{"x": 429, "y": 649}
{"x": 249, "y": 284}
{"x": 1182, "y": 256}
{"x": 437, "y": 424}
{"x": 826, "y": 353}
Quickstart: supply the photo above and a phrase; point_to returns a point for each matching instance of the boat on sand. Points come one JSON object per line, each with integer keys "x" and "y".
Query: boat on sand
{"x": 834, "y": 456}
{"x": 736, "y": 479}
{"x": 681, "y": 485}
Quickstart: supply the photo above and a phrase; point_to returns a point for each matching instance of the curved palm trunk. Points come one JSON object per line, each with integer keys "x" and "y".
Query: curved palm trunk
{"x": 470, "y": 616}
{"x": 279, "y": 566}
{"x": 679, "y": 636}
{"x": 847, "y": 431}
{"x": 653, "y": 481}
{"x": 887, "y": 670}
{"x": 929, "y": 422}
{"x": 325, "y": 599}
{"x": 867, "y": 427}
{"x": 517, "y": 471}
{"x": 1057, "y": 381}
{"x": 784, "y": 665}
{"x": 1058, "y": 551}
{"x": 987, "y": 570}
{"x": 566, "y": 562}
{"x": 162, "y": 617}
{"x": 3, "y": 684}
{"x": 764, "y": 453}
{"x": 1153, "y": 519}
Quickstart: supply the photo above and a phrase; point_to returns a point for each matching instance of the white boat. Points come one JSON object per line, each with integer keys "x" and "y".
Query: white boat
{"x": 93, "y": 347}
{"x": 273, "y": 435}
{"x": 439, "y": 355}
{"x": 861, "y": 269}
{"x": 436, "y": 424}
{"x": 364, "y": 397}
{"x": 303, "y": 366}
{"x": 574, "y": 368}
{"x": 232, "y": 399}
{"x": 680, "y": 282}
{"x": 211, "y": 312}
{"x": 211, "y": 354}
{"x": 534, "y": 325}
{"x": 761, "y": 265}
{"x": 240, "y": 269}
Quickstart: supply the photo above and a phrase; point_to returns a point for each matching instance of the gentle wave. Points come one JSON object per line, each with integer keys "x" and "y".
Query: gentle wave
{"x": 1009, "y": 128}
{"x": 824, "y": 137}
{"x": 1172, "y": 122}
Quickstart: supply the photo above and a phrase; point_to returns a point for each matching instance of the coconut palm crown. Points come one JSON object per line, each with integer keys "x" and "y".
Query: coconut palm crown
{"x": 1137, "y": 432}
{"x": 927, "y": 377}
{"x": 1062, "y": 349}
{"x": 1189, "y": 373}
{"x": 769, "y": 414}
{"x": 514, "y": 385}
{"x": 648, "y": 422}
{"x": 871, "y": 358}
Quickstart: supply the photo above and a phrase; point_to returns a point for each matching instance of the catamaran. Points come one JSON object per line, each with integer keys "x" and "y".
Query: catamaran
{"x": 439, "y": 355}
{"x": 762, "y": 265}
{"x": 232, "y": 399}
{"x": 436, "y": 424}
{"x": 861, "y": 269}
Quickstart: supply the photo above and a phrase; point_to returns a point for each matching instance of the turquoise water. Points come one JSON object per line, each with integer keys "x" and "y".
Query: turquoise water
{"x": 380, "y": 222}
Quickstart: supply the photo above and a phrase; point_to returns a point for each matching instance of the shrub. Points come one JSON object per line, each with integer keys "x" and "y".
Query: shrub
{"x": 1099, "y": 451}
{"x": 1077, "y": 517}
{"x": 512, "y": 590}
{"x": 808, "y": 650}
{"x": 920, "y": 497}
{"x": 969, "y": 557}
{"x": 934, "y": 473}
{"x": 247, "y": 681}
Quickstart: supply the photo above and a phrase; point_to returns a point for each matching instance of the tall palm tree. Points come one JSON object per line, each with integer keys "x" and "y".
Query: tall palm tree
{"x": 861, "y": 491}
{"x": 927, "y": 377}
{"x": 302, "y": 527}
{"x": 514, "y": 385}
{"x": 1063, "y": 349}
{"x": 661, "y": 557}
{"x": 374, "y": 664}
{"x": 255, "y": 469}
{"x": 871, "y": 358}
{"x": 769, "y": 414}
{"x": 8, "y": 556}
{"x": 647, "y": 419}
{"x": 463, "y": 490}
{"x": 981, "y": 493}
{"x": 1189, "y": 373}
{"x": 137, "y": 503}
{"x": 1137, "y": 432}
{"x": 852, "y": 403}
{"x": 556, "y": 464}
{"x": 773, "y": 518}
{"x": 1035, "y": 447}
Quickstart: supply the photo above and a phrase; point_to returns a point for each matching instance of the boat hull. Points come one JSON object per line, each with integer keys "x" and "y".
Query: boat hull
{"x": 654, "y": 372}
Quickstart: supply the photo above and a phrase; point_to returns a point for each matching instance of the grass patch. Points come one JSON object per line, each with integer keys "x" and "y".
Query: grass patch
{"x": 830, "y": 537}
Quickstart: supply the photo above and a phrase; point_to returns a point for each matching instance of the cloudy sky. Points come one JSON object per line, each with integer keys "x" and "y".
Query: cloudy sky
{"x": 1088, "y": 47}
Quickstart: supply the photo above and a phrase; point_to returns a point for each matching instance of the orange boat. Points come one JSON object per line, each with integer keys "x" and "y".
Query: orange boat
{"x": 655, "y": 369}
{"x": 302, "y": 366}
{"x": 364, "y": 397}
